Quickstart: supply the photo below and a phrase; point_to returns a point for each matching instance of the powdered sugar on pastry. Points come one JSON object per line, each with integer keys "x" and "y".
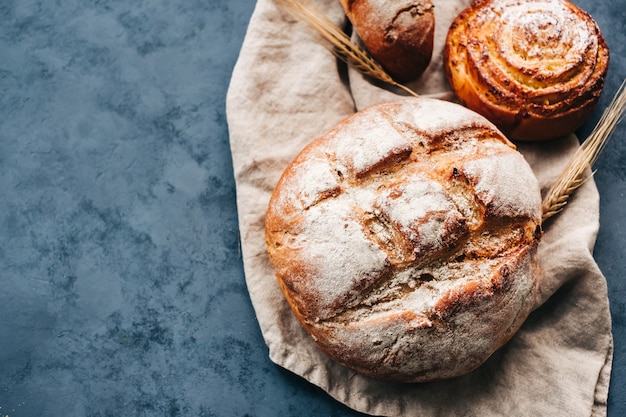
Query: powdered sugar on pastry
{"x": 535, "y": 68}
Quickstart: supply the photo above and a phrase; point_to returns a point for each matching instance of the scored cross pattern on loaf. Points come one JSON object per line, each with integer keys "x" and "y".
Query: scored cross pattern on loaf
{"x": 388, "y": 229}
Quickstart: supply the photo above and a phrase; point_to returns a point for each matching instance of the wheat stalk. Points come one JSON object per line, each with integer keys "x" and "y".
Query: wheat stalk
{"x": 340, "y": 44}
{"x": 575, "y": 173}
{"x": 577, "y": 170}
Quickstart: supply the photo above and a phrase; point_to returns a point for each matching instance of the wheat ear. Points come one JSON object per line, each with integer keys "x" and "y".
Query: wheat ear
{"x": 577, "y": 171}
{"x": 340, "y": 44}
{"x": 572, "y": 177}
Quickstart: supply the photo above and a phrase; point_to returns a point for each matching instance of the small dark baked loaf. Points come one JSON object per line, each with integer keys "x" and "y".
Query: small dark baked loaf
{"x": 398, "y": 34}
{"x": 405, "y": 238}
{"x": 535, "y": 68}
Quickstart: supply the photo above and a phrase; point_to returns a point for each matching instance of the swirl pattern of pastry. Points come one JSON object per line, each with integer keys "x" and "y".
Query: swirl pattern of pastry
{"x": 404, "y": 240}
{"x": 535, "y": 68}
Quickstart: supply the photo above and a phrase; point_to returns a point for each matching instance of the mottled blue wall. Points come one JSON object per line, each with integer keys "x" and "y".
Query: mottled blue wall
{"x": 121, "y": 285}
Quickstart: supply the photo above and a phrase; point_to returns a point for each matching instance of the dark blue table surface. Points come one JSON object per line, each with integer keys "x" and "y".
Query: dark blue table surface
{"x": 122, "y": 287}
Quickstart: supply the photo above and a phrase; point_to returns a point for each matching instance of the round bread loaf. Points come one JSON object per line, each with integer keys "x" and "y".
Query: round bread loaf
{"x": 535, "y": 68}
{"x": 405, "y": 238}
{"x": 398, "y": 34}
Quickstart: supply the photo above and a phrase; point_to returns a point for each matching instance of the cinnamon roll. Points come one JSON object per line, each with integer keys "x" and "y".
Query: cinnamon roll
{"x": 535, "y": 68}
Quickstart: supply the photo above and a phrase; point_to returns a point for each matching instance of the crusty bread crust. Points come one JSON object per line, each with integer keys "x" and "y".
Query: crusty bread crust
{"x": 399, "y": 34}
{"x": 535, "y": 68}
{"x": 405, "y": 238}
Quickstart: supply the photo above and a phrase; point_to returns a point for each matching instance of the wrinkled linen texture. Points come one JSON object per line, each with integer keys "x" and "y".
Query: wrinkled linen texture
{"x": 287, "y": 89}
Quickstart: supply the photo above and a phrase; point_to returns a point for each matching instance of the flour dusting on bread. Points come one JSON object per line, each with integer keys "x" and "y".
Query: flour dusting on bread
{"x": 408, "y": 231}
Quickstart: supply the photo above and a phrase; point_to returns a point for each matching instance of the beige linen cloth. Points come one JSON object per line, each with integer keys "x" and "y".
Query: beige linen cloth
{"x": 287, "y": 89}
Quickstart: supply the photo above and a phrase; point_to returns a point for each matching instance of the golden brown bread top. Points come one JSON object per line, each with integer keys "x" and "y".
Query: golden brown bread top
{"x": 407, "y": 226}
{"x": 399, "y": 34}
{"x": 535, "y": 68}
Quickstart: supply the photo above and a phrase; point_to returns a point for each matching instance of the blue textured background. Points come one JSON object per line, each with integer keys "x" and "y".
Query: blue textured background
{"x": 121, "y": 284}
